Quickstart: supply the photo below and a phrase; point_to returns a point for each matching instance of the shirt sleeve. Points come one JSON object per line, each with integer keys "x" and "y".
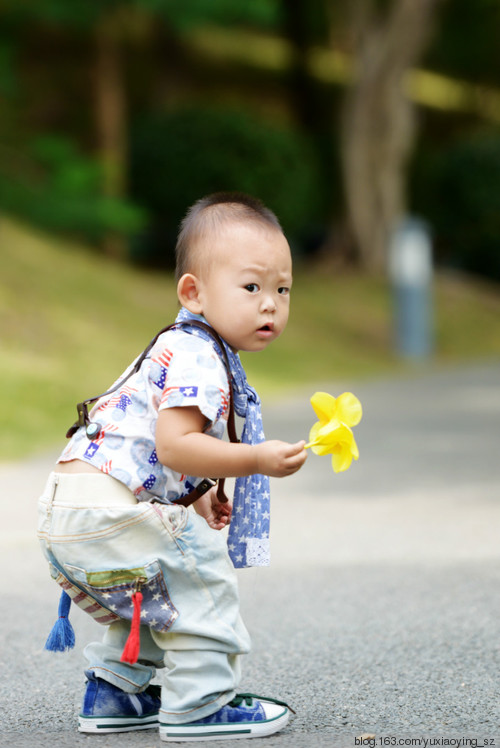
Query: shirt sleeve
{"x": 196, "y": 377}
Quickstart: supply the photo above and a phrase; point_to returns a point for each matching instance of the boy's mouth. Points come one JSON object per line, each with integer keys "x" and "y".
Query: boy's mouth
{"x": 267, "y": 328}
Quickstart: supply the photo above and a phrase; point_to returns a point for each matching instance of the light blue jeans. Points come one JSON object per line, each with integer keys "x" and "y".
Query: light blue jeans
{"x": 103, "y": 543}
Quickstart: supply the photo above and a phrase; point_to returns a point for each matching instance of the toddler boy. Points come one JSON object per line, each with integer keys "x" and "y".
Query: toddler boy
{"x": 114, "y": 523}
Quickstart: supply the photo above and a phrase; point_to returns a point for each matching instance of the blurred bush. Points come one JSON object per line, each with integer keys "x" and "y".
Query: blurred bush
{"x": 178, "y": 157}
{"x": 57, "y": 188}
{"x": 457, "y": 188}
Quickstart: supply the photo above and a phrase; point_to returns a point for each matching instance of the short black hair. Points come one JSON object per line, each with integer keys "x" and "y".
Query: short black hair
{"x": 209, "y": 213}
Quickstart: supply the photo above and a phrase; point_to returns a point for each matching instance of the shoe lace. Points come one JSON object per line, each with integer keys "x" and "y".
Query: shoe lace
{"x": 248, "y": 698}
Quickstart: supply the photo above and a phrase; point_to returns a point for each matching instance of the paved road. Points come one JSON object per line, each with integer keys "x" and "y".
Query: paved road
{"x": 380, "y": 613}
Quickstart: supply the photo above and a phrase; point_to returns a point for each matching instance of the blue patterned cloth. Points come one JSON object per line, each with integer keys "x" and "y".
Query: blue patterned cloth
{"x": 248, "y": 540}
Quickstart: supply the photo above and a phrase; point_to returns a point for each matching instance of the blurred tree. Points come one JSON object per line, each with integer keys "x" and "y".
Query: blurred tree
{"x": 110, "y": 28}
{"x": 102, "y": 21}
{"x": 177, "y": 157}
{"x": 141, "y": 57}
{"x": 305, "y": 25}
{"x": 388, "y": 37}
{"x": 56, "y": 186}
{"x": 104, "y": 28}
{"x": 456, "y": 168}
{"x": 468, "y": 47}
{"x": 456, "y": 187}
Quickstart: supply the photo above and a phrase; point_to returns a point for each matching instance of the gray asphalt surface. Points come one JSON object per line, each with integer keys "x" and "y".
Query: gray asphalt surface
{"x": 379, "y": 616}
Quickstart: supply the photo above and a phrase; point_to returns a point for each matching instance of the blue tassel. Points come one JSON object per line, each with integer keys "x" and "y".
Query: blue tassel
{"x": 62, "y": 636}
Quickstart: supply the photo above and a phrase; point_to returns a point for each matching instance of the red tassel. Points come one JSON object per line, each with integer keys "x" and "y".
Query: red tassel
{"x": 133, "y": 644}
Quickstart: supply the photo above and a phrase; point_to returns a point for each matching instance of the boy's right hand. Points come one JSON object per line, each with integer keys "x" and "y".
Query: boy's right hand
{"x": 279, "y": 459}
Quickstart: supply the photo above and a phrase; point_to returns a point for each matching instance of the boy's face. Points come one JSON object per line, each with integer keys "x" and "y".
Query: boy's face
{"x": 244, "y": 293}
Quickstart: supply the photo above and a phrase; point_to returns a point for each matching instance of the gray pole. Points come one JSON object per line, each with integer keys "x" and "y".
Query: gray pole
{"x": 410, "y": 268}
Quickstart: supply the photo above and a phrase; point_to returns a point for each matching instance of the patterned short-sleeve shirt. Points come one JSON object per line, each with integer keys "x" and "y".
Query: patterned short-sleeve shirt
{"x": 181, "y": 370}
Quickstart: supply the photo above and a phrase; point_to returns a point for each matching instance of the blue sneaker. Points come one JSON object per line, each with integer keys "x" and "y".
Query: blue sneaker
{"x": 246, "y": 716}
{"x": 107, "y": 708}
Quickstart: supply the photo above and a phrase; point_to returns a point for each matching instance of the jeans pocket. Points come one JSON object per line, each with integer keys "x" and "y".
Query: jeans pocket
{"x": 112, "y": 589}
{"x": 99, "y": 612}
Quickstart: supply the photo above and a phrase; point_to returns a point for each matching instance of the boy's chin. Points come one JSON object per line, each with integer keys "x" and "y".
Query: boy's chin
{"x": 254, "y": 347}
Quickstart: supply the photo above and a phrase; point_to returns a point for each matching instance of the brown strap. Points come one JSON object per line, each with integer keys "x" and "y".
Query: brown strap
{"x": 201, "y": 489}
{"x": 231, "y": 425}
{"x": 206, "y": 483}
{"x": 82, "y": 408}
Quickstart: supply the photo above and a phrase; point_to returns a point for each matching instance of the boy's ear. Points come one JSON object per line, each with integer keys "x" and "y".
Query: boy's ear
{"x": 188, "y": 293}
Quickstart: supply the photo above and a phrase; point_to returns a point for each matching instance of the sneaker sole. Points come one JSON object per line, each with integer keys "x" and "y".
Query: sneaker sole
{"x": 223, "y": 731}
{"x": 117, "y": 724}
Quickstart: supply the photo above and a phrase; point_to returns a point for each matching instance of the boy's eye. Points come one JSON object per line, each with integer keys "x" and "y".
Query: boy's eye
{"x": 252, "y": 287}
{"x": 284, "y": 290}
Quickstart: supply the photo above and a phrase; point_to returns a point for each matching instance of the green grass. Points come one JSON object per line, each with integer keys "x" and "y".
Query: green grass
{"x": 71, "y": 321}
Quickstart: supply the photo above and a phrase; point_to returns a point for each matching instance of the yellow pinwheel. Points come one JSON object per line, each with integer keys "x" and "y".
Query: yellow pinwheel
{"x": 332, "y": 433}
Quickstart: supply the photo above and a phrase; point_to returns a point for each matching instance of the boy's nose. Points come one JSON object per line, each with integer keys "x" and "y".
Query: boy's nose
{"x": 268, "y": 303}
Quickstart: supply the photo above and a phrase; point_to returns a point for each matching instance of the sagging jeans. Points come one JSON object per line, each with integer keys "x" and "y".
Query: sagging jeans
{"x": 97, "y": 537}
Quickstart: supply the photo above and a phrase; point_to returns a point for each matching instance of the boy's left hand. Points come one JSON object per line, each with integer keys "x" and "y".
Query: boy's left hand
{"x": 209, "y": 507}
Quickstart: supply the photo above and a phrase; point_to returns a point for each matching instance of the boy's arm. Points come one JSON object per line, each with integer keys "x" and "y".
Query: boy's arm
{"x": 182, "y": 445}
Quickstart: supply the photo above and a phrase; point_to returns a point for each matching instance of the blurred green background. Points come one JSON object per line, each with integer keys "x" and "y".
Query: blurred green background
{"x": 344, "y": 117}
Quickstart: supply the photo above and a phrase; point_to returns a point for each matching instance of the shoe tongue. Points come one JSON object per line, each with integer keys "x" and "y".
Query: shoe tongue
{"x": 242, "y": 697}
